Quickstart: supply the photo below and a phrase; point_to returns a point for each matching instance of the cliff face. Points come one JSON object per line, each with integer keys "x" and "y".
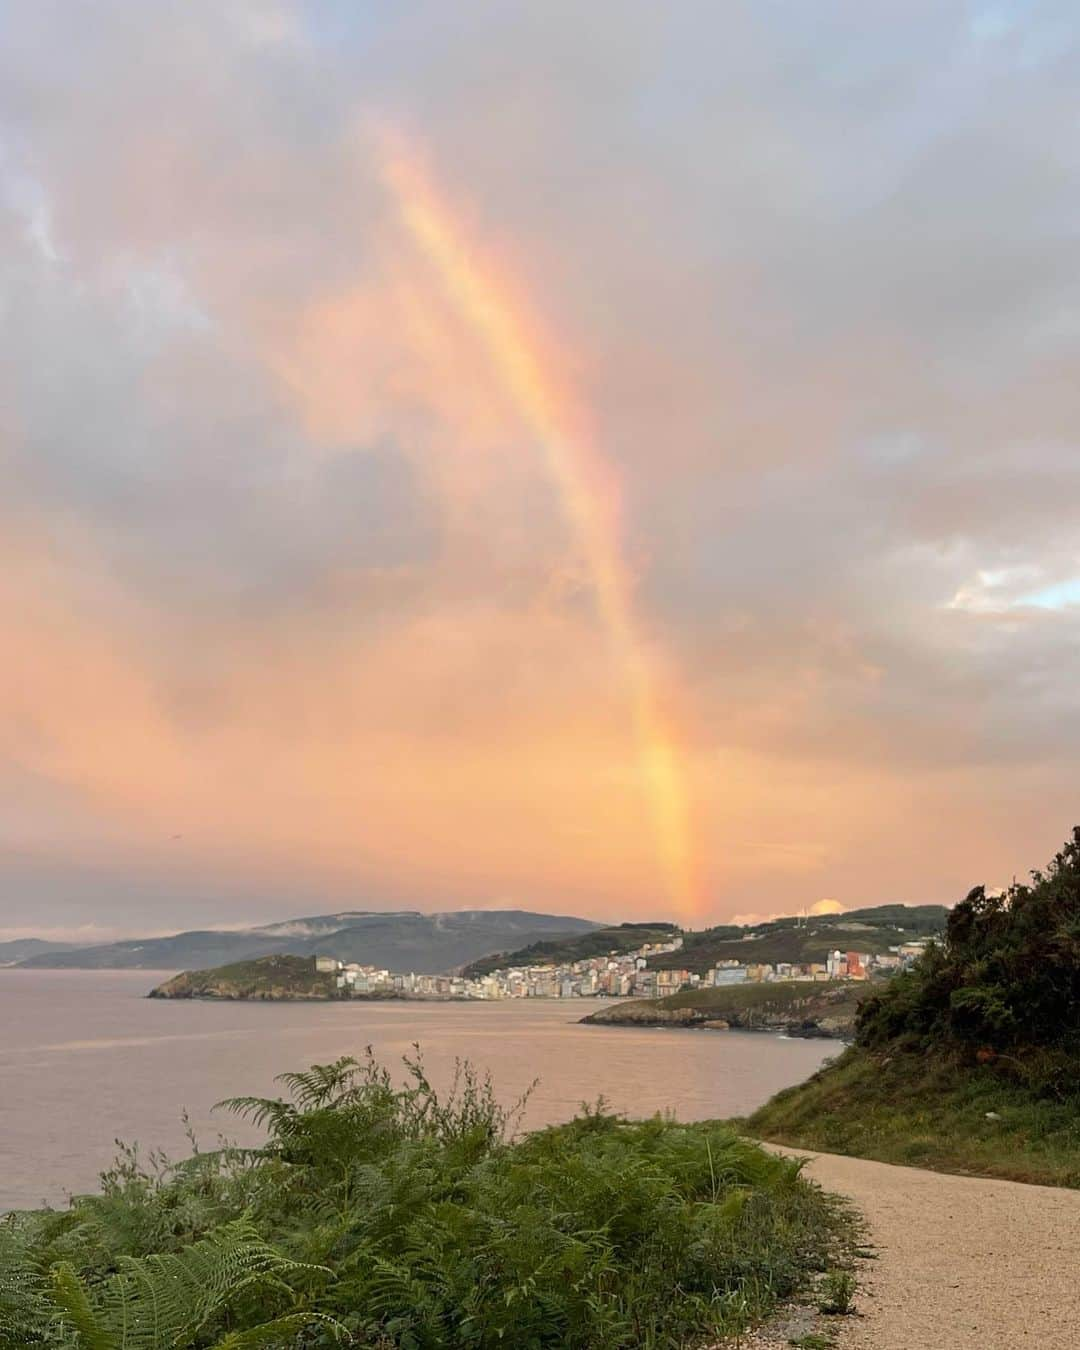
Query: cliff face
{"x": 797, "y": 1010}
{"x": 269, "y": 978}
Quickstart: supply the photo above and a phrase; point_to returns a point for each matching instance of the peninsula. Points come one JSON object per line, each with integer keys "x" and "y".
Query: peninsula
{"x": 268, "y": 978}
{"x": 796, "y": 1008}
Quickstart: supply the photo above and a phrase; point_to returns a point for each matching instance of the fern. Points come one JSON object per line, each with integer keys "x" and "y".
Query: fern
{"x": 282, "y": 1331}
{"x": 77, "y": 1312}
{"x": 404, "y": 1219}
{"x": 24, "y": 1291}
{"x": 163, "y": 1302}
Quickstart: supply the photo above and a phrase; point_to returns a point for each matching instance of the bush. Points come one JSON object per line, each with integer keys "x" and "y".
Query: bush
{"x": 1004, "y": 985}
{"x": 395, "y": 1218}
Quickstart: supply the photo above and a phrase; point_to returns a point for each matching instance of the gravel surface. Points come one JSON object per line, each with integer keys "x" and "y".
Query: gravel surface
{"x": 963, "y": 1263}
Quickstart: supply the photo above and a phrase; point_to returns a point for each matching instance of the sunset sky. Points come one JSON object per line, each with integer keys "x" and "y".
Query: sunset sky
{"x": 612, "y": 458}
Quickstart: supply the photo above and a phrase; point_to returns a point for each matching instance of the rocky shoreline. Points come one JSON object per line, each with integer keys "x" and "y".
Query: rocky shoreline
{"x": 826, "y": 1017}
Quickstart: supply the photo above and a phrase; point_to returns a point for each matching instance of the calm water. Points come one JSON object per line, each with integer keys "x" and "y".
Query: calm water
{"x": 85, "y": 1059}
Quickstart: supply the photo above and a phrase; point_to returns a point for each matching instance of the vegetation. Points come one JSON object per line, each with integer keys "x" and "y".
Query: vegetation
{"x": 800, "y": 940}
{"x": 822, "y": 1007}
{"x": 1004, "y": 986}
{"x": 971, "y": 1060}
{"x": 266, "y": 977}
{"x": 777, "y": 996}
{"x": 837, "y": 1292}
{"x": 626, "y": 937}
{"x": 388, "y": 1216}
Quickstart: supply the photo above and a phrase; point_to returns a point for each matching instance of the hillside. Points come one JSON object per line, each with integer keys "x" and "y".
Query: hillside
{"x": 971, "y": 1060}
{"x": 626, "y": 937}
{"x": 799, "y": 1008}
{"x": 401, "y": 940}
{"x": 267, "y": 977}
{"x": 799, "y": 940}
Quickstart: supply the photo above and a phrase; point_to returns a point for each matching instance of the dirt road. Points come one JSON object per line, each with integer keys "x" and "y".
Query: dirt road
{"x": 962, "y": 1263}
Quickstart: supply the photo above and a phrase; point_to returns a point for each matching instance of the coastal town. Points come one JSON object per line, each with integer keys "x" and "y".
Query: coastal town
{"x": 616, "y": 975}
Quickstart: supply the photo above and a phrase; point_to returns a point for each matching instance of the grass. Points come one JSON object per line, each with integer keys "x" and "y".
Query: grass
{"x": 927, "y": 1111}
{"x": 837, "y": 1293}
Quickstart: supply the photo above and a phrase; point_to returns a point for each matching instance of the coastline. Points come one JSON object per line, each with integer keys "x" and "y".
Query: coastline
{"x": 790, "y": 1031}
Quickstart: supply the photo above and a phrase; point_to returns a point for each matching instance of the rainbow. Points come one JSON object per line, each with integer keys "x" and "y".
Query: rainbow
{"x": 500, "y": 319}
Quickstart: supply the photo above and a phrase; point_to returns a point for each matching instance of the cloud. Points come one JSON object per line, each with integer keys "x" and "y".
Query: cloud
{"x": 283, "y": 571}
{"x": 1004, "y": 589}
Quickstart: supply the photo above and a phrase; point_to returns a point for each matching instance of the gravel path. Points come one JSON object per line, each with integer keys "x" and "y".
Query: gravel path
{"x": 962, "y": 1263}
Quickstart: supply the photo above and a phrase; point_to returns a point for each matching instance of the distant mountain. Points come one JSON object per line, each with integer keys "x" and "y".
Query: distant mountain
{"x": 319, "y": 925}
{"x": 19, "y": 949}
{"x": 403, "y": 940}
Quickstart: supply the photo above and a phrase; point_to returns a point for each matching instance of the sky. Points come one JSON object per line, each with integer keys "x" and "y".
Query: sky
{"x": 616, "y": 459}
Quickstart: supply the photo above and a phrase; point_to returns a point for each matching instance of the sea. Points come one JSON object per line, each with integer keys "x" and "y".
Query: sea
{"x": 87, "y": 1060}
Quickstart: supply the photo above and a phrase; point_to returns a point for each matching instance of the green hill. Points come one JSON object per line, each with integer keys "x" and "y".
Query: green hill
{"x": 971, "y": 1060}
{"x": 627, "y": 937}
{"x": 810, "y": 939}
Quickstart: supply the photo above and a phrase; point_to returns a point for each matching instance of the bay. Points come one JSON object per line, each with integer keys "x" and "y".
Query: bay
{"x": 86, "y": 1059}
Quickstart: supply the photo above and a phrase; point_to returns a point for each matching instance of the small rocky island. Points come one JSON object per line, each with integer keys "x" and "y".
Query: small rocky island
{"x": 266, "y": 978}
{"x": 796, "y": 1008}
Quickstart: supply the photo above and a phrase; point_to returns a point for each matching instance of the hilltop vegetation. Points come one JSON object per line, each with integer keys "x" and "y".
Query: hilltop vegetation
{"x": 800, "y": 940}
{"x": 797, "y": 1007}
{"x": 389, "y": 1217}
{"x": 626, "y": 937}
{"x": 970, "y": 1060}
